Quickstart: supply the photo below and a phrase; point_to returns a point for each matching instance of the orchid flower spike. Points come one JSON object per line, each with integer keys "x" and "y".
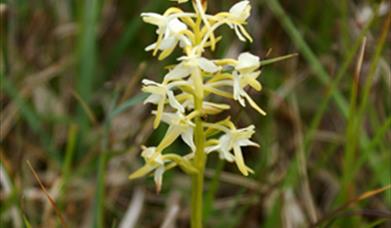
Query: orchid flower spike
{"x": 187, "y": 93}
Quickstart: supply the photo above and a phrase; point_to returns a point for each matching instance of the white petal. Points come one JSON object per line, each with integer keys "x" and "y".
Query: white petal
{"x": 173, "y": 132}
{"x": 240, "y": 36}
{"x": 154, "y": 18}
{"x": 207, "y": 65}
{"x": 184, "y": 41}
{"x": 179, "y": 71}
{"x": 246, "y": 142}
{"x": 241, "y": 10}
{"x": 236, "y": 86}
{"x": 158, "y": 178}
{"x": 226, "y": 155}
{"x": 176, "y": 26}
{"x": 212, "y": 148}
{"x": 169, "y": 118}
{"x": 240, "y": 161}
{"x": 150, "y": 47}
{"x": 247, "y": 61}
{"x": 168, "y": 43}
{"x": 148, "y": 152}
{"x": 187, "y": 137}
{"x": 226, "y": 143}
{"x": 153, "y": 99}
{"x": 149, "y": 82}
{"x": 180, "y": 1}
{"x": 174, "y": 102}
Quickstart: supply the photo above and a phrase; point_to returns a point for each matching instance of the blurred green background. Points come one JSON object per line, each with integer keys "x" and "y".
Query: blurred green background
{"x": 72, "y": 118}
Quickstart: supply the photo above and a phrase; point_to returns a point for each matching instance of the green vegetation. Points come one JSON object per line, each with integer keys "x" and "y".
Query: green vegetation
{"x": 71, "y": 106}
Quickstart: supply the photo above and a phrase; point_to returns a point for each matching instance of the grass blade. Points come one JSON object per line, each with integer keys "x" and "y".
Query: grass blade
{"x": 87, "y": 60}
{"x": 306, "y": 51}
{"x": 129, "y": 103}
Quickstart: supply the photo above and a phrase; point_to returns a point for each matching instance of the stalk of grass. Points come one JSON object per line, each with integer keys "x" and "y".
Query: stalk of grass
{"x": 356, "y": 119}
{"x": 344, "y": 21}
{"x": 99, "y": 216}
{"x": 69, "y": 155}
{"x": 87, "y": 59}
{"x": 351, "y": 129}
{"x": 84, "y": 106}
{"x": 50, "y": 199}
{"x": 379, "y": 134}
{"x": 334, "y": 86}
{"x": 274, "y": 219}
{"x": 373, "y": 66}
{"x": 26, "y": 222}
{"x": 308, "y": 54}
{"x": 351, "y": 139}
{"x": 306, "y": 51}
{"x": 351, "y": 202}
{"x": 379, "y": 162}
{"x": 128, "y": 104}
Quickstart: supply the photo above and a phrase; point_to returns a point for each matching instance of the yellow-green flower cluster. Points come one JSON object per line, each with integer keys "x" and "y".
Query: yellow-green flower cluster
{"x": 197, "y": 77}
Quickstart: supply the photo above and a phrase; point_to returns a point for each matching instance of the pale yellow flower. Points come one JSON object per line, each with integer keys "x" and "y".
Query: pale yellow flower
{"x": 160, "y": 93}
{"x": 178, "y": 125}
{"x": 246, "y": 75}
{"x": 170, "y": 32}
{"x": 188, "y": 90}
{"x": 233, "y": 140}
{"x": 188, "y": 64}
{"x": 155, "y": 161}
{"x": 236, "y": 17}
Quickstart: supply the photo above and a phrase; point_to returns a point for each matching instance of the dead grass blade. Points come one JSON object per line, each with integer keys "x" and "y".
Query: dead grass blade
{"x": 51, "y": 200}
{"x": 85, "y": 107}
{"x": 349, "y": 203}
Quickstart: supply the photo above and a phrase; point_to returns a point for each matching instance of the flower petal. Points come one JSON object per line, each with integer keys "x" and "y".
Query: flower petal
{"x": 159, "y": 112}
{"x": 254, "y": 105}
{"x": 153, "y": 99}
{"x": 187, "y": 137}
{"x": 174, "y": 102}
{"x": 240, "y": 161}
{"x": 176, "y": 26}
{"x": 180, "y": 71}
{"x": 247, "y": 61}
{"x": 171, "y": 135}
{"x": 141, "y": 172}
{"x": 247, "y": 142}
{"x": 240, "y": 36}
{"x": 241, "y": 10}
{"x": 158, "y": 178}
{"x": 207, "y": 65}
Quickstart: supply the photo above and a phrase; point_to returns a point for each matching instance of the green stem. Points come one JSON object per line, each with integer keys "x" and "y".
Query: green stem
{"x": 200, "y": 157}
